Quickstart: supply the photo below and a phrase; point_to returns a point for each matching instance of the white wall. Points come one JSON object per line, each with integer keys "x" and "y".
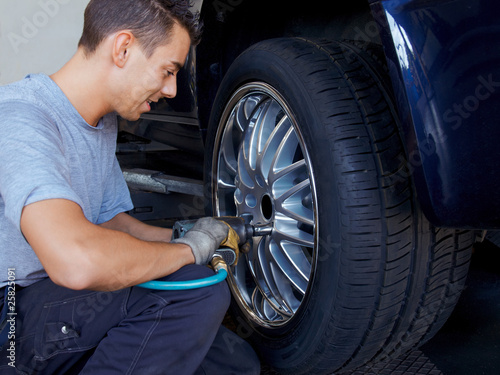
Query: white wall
{"x": 37, "y": 36}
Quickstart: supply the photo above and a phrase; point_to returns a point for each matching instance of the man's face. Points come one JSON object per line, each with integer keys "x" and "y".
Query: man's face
{"x": 147, "y": 80}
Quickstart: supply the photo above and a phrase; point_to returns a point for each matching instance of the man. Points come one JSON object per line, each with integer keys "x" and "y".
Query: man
{"x": 64, "y": 233}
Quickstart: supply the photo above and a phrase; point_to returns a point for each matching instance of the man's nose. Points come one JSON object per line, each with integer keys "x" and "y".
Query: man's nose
{"x": 169, "y": 89}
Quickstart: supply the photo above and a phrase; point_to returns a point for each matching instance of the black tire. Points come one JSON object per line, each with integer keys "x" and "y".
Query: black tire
{"x": 381, "y": 279}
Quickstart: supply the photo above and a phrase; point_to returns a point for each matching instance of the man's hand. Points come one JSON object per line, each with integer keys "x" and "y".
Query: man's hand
{"x": 204, "y": 238}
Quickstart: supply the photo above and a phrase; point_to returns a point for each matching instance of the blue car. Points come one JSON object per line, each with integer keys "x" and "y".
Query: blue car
{"x": 361, "y": 139}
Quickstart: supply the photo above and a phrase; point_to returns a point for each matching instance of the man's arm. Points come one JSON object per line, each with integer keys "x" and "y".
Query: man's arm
{"x": 128, "y": 224}
{"x": 80, "y": 255}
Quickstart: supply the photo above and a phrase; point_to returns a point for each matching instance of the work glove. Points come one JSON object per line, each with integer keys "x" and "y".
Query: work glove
{"x": 232, "y": 241}
{"x": 205, "y": 237}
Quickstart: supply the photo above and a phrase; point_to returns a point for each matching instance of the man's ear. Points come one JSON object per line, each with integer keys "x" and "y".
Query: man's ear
{"x": 121, "y": 45}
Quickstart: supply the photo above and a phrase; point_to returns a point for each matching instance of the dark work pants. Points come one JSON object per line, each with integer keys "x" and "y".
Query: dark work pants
{"x": 131, "y": 331}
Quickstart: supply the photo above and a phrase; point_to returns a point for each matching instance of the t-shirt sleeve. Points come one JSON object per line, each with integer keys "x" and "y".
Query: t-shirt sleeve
{"x": 117, "y": 195}
{"x": 33, "y": 166}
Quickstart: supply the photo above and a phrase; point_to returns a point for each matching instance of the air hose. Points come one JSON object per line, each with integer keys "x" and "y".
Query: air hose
{"x": 219, "y": 266}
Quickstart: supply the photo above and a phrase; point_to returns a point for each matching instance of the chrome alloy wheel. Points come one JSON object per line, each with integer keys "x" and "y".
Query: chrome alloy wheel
{"x": 263, "y": 173}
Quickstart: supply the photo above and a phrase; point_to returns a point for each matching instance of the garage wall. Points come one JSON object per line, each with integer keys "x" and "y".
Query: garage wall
{"x": 38, "y": 36}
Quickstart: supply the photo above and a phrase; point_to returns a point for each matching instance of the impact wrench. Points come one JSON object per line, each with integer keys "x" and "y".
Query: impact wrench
{"x": 222, "y": 258}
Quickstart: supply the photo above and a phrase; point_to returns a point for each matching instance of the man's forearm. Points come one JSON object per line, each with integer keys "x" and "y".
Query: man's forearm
{"x": 128, "y": 224}
{"x": 80, "y": 255}
{"x": 126, "y": 261}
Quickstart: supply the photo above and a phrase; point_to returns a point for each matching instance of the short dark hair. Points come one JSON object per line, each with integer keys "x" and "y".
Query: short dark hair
{"x": 151, "y": 22}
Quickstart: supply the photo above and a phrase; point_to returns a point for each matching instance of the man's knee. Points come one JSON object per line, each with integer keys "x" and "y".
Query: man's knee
{"x": 220, "y": 295}
{"x": 214, "y": 298}
{"x": 217, "y": 296}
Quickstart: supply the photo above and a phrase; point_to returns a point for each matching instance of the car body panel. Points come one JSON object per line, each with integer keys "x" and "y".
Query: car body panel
{"x": 446, "y": 72}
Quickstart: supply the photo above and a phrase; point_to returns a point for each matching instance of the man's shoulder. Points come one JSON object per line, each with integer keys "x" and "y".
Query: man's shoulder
{"x": 26, "y": 111}
{"x": 36, "y": 97}
{"x": 28, "y": 94}
{"x": 27, "y": 88}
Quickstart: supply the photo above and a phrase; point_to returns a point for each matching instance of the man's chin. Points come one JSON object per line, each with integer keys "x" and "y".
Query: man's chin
{"x": 130, "y": 116}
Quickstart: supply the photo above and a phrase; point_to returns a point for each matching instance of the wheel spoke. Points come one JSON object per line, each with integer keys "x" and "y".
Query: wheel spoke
{"x": 272, "y": 145}
{"x": 289, "y": 271}
{"x": 286, "y": 151}
{"x": 267, "y": 266}
{"x": 290, "y": 203}
{"x": 228, "y": 149}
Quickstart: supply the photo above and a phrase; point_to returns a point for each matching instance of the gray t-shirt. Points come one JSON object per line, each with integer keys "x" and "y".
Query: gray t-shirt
{"x": 47, "y": 151}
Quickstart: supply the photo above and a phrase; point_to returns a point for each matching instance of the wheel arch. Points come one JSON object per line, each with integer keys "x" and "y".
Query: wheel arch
{"x": 231, "y": 26}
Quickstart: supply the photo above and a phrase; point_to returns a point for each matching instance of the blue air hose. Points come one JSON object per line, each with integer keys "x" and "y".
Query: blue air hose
{"x": 219, "y": 265}
{"x": 188, "y": 284}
